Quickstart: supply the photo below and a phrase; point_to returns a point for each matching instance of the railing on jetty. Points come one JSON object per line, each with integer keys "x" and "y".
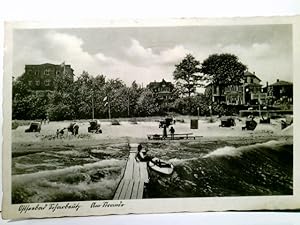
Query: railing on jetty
{"x": 134, "y": 178}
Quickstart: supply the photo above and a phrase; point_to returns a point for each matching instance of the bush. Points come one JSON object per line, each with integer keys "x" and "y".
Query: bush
{"x": 14, "y": 125}
{"x": 17, "y": 123}
{"x": 60, "y": 112}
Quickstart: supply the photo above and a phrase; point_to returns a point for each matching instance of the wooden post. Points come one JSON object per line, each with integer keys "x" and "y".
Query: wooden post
{"x": 108, "y": 102}
{"x": 128, "y": 110}
{"x": 93, "y": 113}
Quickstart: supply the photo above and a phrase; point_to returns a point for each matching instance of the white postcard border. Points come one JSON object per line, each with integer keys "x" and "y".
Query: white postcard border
{"x": 148, "y": 205}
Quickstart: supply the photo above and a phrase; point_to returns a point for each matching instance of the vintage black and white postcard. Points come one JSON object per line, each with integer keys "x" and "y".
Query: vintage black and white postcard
{"x": 180, "y": 115}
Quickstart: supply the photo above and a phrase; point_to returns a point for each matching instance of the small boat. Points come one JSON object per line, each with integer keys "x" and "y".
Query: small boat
{"x": 161, "y": 166}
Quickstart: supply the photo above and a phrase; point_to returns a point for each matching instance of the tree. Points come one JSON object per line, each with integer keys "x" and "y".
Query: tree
{"x": 115, "y": 98}
{"x": 187, "y": 75}
{"x": 146, "y": 104}
{"x": 32, "y": 106}
{"x": 199, "y": 101}
{"x": 87, "y": 96}
{"x": 134, "y": 92}
{"x": 19, "y": 88}
{"x": 223, "y": 69}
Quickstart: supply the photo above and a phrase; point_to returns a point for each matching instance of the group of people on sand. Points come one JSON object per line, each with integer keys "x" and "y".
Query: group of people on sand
{"x": 165, "y": 134}
{"x": 73, "y": 128}
{"x": 45, "y": 121}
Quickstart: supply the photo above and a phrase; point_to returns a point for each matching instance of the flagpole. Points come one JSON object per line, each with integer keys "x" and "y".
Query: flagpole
{"x": 108, "y": 101}
{"x": 93, "y": 112}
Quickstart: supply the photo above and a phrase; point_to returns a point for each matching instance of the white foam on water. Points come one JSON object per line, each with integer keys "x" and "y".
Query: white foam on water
{"x": 177, "y": 161}
{"x": 25, "y": 178}
{"x": 233, "y": 151}
{"x": 27, "y": 166}
{"x": 45, "y": 190}
{"x": 227, "y": 150}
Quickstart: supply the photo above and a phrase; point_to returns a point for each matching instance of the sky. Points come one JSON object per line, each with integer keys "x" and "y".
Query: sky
{"x": 145, "y": 54}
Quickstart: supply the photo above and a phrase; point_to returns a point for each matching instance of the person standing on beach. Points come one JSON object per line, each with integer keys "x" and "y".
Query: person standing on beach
{"x": 172, "y": 131}
{"x": 165, "y": 135}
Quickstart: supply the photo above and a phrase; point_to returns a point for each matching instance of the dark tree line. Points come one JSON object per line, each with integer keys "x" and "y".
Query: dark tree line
{"x": 99, "y": 97}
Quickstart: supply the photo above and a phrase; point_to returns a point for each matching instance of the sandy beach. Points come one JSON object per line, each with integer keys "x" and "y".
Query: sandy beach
{"x": 127, "y": 132}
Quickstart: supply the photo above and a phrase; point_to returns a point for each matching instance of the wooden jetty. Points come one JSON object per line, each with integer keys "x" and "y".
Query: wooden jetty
{"x": 134, "y": 178}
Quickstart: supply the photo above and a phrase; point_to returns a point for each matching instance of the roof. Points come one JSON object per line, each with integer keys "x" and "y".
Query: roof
{"x": 281, "y": 83}
{"x": 48, "y": 64}
{"x": 248, "y": 74}
{"x": 155, "y": 83}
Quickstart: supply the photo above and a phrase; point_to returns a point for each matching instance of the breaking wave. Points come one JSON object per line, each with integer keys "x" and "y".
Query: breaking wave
{"x": 92, "y": 181}
{"x": 233, "y": 151}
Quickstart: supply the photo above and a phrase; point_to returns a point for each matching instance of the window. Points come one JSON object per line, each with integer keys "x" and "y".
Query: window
{"x": 251, "y": 80}
{"x": 47, "y": 71}
{"x": 37, "y": 83}
{"x": 36, "y": 72}
{"x": 30, "y": 83}
{"x": 47, "y": 83}
{"x": 29, "y": 72}
{"x": 57, "y": 72}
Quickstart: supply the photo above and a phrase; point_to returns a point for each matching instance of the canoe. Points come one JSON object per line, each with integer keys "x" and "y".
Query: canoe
{"x": 161, "y": 166}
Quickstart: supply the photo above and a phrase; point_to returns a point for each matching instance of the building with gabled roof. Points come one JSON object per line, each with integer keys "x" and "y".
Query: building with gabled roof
{"x": 281, "y": 91}
{"x": 162, "y": 90}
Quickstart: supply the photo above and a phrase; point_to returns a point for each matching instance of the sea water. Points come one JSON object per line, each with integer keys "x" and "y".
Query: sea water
{"x": 252, "y": 170}
{"x": 213, "y": 168}
{"x": 72, "y": 175}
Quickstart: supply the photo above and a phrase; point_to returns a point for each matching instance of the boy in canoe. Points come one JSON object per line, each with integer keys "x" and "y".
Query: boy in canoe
{"x": 143, "y": 157}
{"x": 142, "y": 154}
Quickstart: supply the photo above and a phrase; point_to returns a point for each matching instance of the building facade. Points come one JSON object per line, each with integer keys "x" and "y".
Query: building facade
{"x": 45, "y": 76}
{"x": 248, "y": 92}
{"x": 252, "y": 89}
{"x": 162, "y": 90}
{"x": 280, "y": 92}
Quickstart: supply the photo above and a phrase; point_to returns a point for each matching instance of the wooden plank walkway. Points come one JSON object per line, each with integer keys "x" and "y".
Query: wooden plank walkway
{"x": 134, "y": 178}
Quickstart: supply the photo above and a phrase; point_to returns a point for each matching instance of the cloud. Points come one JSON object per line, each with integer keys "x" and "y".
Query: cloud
{"x": 146, "y": 56}
{"x": 137, "y": 61}
{"x": 257, "y": 50}
{"x": 267, "y": 62}
{"x": 174, "y": 55}
{"x": 141, "y": 64}
{"x": 138, "y": 52}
